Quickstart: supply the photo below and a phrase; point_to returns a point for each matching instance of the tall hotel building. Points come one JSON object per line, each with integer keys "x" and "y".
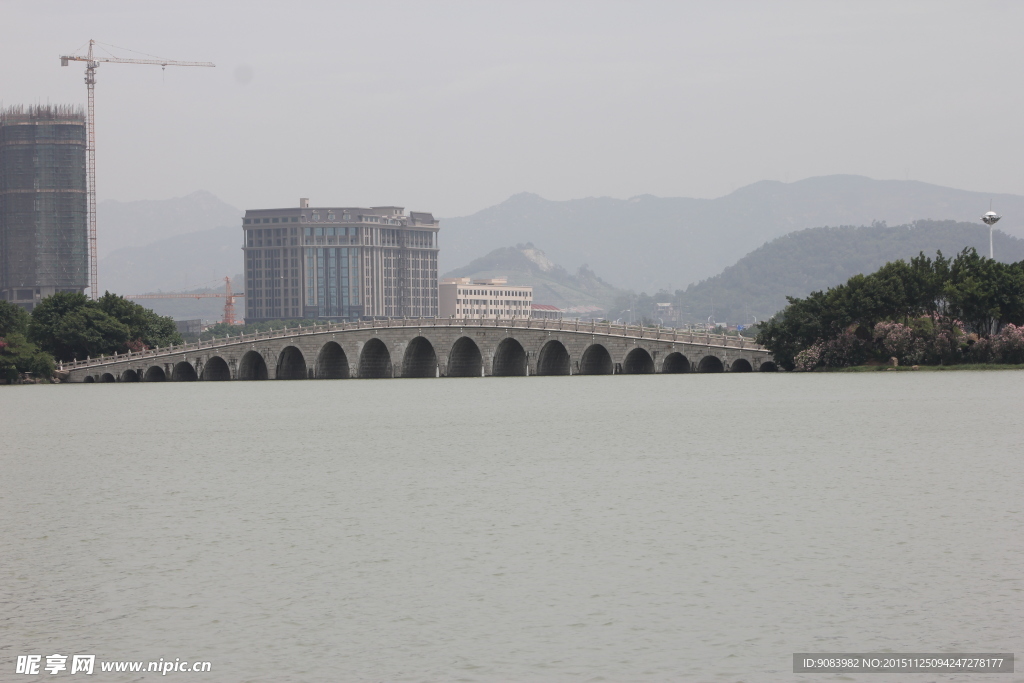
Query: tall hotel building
{"x": 43, "y": 214}
{"x": 339, "y": 263}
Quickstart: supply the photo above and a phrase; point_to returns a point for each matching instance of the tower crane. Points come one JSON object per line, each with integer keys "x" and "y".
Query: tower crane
{"x": 228, "y": 296}
{"x": 92, "y": 62}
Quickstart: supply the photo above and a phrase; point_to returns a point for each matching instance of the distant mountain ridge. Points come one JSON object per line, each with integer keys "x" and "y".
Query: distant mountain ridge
{"x": 816, "y": 259}
{"x": 525, "y": 264}
{"x": 650, "y": 243}
{"x": 173, "y": 264}
{"x": 136, "y": 224}
{"x": 645, "y": 243}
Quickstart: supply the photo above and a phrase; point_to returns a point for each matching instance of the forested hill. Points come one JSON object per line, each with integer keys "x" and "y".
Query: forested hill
{"x": 649, "y": 243}
{"x": 552, "y": 284}
{"x": 815, "y": 259}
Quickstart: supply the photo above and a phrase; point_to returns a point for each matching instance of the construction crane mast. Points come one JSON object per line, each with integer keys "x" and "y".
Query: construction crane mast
{"x": 92, "y": 62}
{"x": 228, "y": 296}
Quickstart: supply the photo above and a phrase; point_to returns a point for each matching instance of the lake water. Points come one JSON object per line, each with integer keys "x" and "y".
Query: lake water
{"x": 625, "y": 528}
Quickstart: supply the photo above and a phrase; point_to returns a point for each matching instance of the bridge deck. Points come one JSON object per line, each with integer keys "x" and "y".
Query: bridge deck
{"x": 592, "y": 328}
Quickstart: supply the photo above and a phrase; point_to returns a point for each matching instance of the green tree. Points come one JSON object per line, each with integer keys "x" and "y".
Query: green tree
{"x": 973, "y": 291}
{"x": 938, "y": 299}
{"x": 70, "y": 326}
{"x": 18, "y": 355}
{"x": 13, "y": 319}
{"x": 798, "y": 326}
{"x": 146, "y": 329}
{"x": 928, "y": 280}
{"x": 1011, "y": 295}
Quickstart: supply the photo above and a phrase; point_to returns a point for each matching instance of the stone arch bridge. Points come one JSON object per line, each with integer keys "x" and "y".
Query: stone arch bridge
{"x": 433, "y": 348}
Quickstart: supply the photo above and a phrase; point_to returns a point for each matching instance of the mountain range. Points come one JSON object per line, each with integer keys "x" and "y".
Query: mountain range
{"x": 136, "y": 224}
{"x": 174, "y": 264}
{"x": 645, "y": 243}
{"x": 801, "y": 262}
{"x": 650, "y": 243}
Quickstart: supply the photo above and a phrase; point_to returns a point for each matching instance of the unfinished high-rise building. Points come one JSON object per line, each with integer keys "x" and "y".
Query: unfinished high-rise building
{"x": 340, "y": 263}
{"x": 43, "y": 214}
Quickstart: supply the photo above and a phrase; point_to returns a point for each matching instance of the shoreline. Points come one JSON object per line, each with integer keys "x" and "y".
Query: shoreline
{"x": 929, "y": 368}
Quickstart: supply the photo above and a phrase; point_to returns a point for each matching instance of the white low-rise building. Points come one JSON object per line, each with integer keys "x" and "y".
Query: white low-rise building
{"x": 463, "y": 297}
{"x": 546, "y": 312}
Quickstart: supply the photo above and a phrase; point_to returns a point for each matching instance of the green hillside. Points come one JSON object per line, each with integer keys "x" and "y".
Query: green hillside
{"x": 647, "y": 243}
{"x": 816, "y": 259}
{"x": 584, "y": 293}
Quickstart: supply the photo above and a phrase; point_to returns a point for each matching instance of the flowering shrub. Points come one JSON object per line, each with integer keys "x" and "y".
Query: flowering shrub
{"x": 900, "y": 341}
{"x": 980, "y": 351}
{"x": 808, "y": 359}
{"x": 924, "y": 341}
{"x": 948, "y": 346}
{"x": 1005, "y": 347}
{"x": 845, "y": 350}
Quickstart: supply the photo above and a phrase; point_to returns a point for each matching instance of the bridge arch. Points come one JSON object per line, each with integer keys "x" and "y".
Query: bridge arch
{"x": 129, "y": 376}
{"x": 331, "y": 362}
{"x": 89, "y": 379}
{"x": 553, "y": 359}
{"x": 374, "y": 360}
{"x": 183, "y": 372}
{"x": 638, "y": 362}
{"x": 465, "y": 359}
{"x": 710, "y": 364}
{"x": 741, "y": 365}
{"x": 596, "y": 361}
{"x": 106, "y": 377}
{"x": 509, "y": 359}
{"x": 155, "y": 374}
{"x": 291, "y": 364}
{"x": 252, "y": 366}
{"x": 675, "y": 363}
{"x": 420, "y": 359}
{"x": 769, "y": 366}
{"x": 216, "y": 370}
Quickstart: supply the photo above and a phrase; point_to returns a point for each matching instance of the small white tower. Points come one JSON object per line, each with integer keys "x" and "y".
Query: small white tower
{"x": 990, "y": 219}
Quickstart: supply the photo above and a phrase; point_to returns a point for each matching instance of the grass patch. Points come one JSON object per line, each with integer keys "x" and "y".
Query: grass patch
{"x": 930, "y": 368}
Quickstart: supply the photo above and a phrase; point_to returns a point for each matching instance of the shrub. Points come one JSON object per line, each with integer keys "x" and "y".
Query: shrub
{"x": 809, "y": 358}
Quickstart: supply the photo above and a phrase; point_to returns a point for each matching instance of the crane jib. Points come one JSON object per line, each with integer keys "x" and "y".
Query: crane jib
{"x": 92, "y": 63}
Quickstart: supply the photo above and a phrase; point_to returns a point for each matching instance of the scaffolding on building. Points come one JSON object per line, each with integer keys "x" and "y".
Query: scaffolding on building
{"x": 43, "y": 213}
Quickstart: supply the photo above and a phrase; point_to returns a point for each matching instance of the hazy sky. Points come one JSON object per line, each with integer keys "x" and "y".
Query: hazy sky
{"x": 453, "y": 106}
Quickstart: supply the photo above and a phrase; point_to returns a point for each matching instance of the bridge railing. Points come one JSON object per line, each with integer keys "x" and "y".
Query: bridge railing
{"x": 602, "y": 328}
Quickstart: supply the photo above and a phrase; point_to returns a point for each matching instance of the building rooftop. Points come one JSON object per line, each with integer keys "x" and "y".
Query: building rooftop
{"x": 389, "y": 215}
